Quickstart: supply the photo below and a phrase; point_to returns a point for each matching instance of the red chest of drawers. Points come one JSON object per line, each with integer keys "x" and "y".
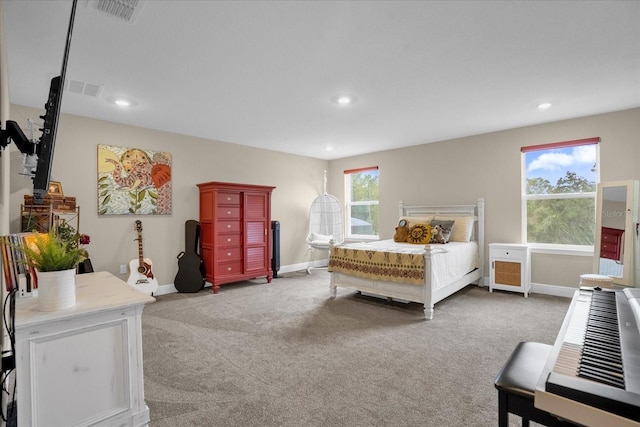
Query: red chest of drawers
{"x": 235, "y": 232}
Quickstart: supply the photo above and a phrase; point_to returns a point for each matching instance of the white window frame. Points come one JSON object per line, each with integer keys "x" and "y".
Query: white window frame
{"x": 554, "y": 248}
{"x": 349, "y": 204}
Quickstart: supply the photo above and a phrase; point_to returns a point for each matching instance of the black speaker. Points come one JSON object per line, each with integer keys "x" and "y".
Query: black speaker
{"x": 85, "y": 267}
{"x": 275, "y": 252}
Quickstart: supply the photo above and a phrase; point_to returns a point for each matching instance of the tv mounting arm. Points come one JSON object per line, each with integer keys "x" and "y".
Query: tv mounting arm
{"x": 15, "y": 134}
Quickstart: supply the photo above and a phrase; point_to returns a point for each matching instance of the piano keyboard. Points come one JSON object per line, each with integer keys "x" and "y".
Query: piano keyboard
{"x": 597, "y": 363}
{"x": 591, "y": 348}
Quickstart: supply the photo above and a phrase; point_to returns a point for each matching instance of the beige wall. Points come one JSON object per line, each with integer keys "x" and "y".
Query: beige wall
{"x": 298, "y": 180}
{"x": 460, "y": 171}
{"x": 449, "y": 172}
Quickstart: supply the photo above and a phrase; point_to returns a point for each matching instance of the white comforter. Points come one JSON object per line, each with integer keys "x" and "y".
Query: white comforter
{"x": 449, "y": 262}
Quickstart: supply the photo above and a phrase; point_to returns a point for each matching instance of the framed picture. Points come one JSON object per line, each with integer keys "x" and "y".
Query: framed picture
{"x": 133, "y": 181}
{"x": 55, "y": 188}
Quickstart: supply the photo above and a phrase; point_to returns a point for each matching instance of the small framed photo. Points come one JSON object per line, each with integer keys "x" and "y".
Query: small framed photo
{"x": 55, "y": 188}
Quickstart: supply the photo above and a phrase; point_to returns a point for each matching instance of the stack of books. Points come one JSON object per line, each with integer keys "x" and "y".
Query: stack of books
{"x": 18, "y": 275}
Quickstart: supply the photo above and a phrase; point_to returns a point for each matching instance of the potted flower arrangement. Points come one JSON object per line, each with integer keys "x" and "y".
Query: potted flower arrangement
{"x": 69, "y": 235}
{"x": 55, "y": 260}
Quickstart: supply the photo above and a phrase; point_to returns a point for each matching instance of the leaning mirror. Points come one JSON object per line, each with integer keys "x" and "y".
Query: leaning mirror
{"x": 616, "y": 239}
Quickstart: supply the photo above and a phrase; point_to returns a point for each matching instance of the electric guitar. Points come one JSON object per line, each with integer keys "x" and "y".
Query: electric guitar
{"x": 140, "y": 273}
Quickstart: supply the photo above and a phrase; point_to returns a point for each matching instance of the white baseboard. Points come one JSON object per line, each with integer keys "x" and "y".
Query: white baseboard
{"x": 559, "y": 291}
{"x": 541, "y": 288}
{"x": 538, "y": 288}
{"x": 171, "y": 289}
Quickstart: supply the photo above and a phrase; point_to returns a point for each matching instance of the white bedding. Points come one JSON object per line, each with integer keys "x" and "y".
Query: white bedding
{"x": 450, "y": 261}
{"x": 447, "y": 268}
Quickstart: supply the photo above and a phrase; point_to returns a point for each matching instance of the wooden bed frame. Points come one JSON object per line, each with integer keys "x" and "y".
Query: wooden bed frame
{"x": 424, "y": 294}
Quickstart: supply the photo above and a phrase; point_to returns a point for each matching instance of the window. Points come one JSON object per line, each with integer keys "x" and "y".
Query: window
{"x": 559, "y": 192}
{"x": 361, "y": 194}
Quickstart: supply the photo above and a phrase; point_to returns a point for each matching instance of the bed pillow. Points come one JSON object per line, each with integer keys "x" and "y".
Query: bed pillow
{"x": 437, "y": 236}
{"x": 462, "y": 229}
{"x": 413, "y": 220}
{"x": 419, "y": 234}
{"x": 447, "y": 228}
{"x": 402, "y": 231}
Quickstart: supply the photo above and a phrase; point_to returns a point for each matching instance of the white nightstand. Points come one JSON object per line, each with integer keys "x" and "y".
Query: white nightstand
{"x": 510, "y": 267}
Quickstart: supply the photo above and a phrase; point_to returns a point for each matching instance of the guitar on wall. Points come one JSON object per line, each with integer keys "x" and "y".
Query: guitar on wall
{"x": 140, "y": 273}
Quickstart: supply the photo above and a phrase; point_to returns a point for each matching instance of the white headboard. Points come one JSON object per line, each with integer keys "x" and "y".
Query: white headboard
{"x": 449, "y": 210}
{"x": 476, "y": 211}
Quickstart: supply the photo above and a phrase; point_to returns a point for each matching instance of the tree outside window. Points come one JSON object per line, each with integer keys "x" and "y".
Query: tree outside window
{"x": 559, "y": 192}
{"x": 362, "y": 202}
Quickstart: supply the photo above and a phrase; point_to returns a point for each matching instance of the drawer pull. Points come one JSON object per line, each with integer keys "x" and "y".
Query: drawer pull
{"x": 228, "y": 253}
{"x": 228, "y": 225}
{"x": 228, "y": 268}
{"x": 228, "y": 199}
{"x": 229, "y": 239}
{"x": 228, "y": 212}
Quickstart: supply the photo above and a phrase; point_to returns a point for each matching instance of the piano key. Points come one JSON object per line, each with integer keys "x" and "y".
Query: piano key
{"x": 615, "y": 369}
{"x": 602, "y": 378}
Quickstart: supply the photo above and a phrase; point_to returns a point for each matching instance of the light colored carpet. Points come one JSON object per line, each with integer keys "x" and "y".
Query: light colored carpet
{"x": 285, "y": 354}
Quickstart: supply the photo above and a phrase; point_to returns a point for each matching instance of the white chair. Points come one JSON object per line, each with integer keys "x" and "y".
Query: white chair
{"x": 326, "y": 223}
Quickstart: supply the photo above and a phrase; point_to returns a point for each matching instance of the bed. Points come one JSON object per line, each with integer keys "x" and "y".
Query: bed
{"x": 422, "y": 273}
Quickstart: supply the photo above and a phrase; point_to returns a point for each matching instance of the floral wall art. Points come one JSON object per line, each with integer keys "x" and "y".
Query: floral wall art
{"x": 133, "y": 181}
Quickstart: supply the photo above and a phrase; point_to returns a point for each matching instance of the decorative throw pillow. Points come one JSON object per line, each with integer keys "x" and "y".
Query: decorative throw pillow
{"x": 437, "y": 236}
{"x": 446, "y": 228}
{"x": 402, "y": 232}
{"x": 420, "y": 234}
{"x": 462, "y": 229}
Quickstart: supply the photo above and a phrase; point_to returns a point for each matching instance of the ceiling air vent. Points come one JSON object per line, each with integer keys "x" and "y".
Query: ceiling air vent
{"x": 126, "y": 10}
{"x": 83, "y": 88}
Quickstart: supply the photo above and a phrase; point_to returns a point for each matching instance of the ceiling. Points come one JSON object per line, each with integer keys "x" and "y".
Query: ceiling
{"x": 267, "y": 73}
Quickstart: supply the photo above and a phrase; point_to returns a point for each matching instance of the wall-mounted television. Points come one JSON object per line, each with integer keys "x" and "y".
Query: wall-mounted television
{"x": 44, "y": 149}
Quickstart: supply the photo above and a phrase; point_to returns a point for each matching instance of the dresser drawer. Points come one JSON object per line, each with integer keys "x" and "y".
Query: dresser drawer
{"x": 225, "y": 240}
{"x": 229, "y": 268}
{"x": 225, "y": 198}
{"x": 228, "y": 226}
{"x": 230, "y": 212}
{"x": 228, "y": 254}
{"x": 508, "y": 253}
{"x": 610, "y": 238}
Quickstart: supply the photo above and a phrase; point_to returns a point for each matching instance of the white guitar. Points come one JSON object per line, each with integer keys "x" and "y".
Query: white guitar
{"x": 140, "y": 273}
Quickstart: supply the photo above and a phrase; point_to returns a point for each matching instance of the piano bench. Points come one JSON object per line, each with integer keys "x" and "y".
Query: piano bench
{"x": 516, "y": 383}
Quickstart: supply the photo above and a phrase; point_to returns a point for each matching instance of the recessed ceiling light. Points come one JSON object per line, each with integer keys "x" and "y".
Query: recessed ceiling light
{"x": 329, "y": 148}
{"x": 343, "y": 99}
{"x": 122, "y": 102}
{"x": 544, "y": 106}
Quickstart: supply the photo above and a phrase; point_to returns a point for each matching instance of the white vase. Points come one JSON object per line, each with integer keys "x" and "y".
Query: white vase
{"x": 56, "y": 290}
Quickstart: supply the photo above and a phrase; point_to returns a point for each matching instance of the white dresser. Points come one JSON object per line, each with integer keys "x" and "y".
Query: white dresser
{"x": 510, "y": 267}
{"x": 82, "y": 366}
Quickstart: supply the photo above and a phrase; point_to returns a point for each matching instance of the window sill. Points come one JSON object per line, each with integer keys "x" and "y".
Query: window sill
{"x": 537, "y": 248}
